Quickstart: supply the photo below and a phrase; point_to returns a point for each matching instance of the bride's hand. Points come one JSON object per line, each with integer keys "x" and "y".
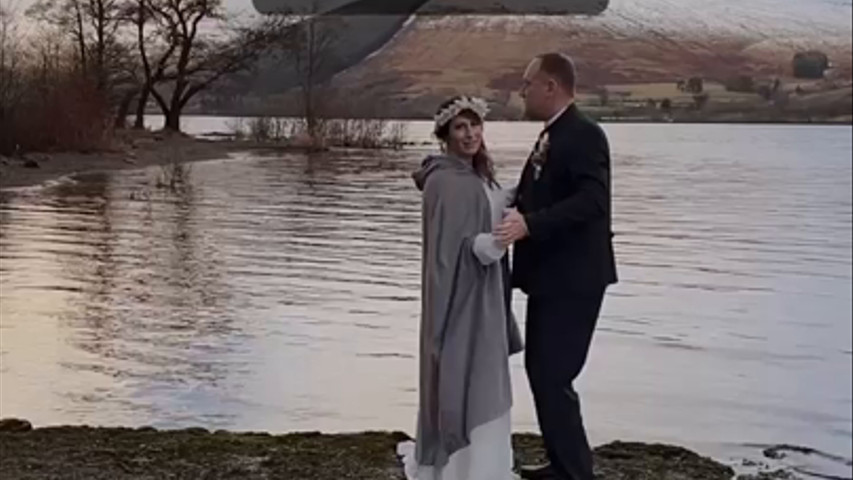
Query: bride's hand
{"x": 512, "y": 229}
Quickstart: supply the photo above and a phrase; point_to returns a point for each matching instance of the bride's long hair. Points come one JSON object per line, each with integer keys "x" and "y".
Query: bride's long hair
{"x": 482, "y": 161}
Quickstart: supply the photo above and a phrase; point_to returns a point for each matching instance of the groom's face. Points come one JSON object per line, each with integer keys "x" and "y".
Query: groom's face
{"x": 537, "y": 92}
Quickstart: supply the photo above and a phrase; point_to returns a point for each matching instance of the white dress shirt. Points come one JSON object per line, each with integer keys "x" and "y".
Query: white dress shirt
{"x": 557, "y": 115}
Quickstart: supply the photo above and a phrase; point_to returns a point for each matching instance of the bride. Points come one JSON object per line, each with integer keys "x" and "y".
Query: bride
{"x": 467, "y": 328}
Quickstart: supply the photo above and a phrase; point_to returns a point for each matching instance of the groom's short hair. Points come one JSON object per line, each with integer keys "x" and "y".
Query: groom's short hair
{"x": 561, "y": 67}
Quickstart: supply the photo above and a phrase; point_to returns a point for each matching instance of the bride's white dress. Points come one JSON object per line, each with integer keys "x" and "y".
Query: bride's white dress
{"x": 489, "y": 457}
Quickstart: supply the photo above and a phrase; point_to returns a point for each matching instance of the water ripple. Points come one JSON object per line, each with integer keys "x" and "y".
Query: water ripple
{"x": 283, "y": 292}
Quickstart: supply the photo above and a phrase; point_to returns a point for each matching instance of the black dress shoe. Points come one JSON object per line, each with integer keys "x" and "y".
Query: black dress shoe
{"x": 541, "y": 472}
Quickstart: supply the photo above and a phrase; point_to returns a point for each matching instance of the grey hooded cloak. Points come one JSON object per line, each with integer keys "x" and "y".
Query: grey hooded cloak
{"x": 467, "y": 328}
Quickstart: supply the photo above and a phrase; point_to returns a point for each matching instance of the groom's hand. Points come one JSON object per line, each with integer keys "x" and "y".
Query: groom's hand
{"x": 512, "y": 229}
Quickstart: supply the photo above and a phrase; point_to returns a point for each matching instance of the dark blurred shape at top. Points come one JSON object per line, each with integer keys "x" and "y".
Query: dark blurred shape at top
{"x": 433, "y": 7}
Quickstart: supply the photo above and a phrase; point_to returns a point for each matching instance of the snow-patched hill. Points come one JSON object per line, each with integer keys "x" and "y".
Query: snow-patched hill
{"x": 633, "y": 41}
{"x": 409, "y": 66}
{"x": 734, "y": 17}
{"x": 815, "y": 19}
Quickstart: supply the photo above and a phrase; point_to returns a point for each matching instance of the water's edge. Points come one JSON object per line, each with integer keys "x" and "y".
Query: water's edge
{"x": 124, "y": 453}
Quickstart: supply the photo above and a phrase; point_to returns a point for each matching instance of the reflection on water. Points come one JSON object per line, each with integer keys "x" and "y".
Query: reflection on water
{"x": 282, "y": 293}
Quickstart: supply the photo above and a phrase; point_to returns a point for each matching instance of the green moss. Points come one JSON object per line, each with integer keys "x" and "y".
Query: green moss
{"x": 143, "y": 454}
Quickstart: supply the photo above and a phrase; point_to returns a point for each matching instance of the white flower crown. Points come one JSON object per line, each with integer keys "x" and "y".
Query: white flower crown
{"x": 448, "y": 113}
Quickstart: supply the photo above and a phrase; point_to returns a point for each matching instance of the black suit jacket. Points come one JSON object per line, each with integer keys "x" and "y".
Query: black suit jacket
{"x": 568, "y": 213}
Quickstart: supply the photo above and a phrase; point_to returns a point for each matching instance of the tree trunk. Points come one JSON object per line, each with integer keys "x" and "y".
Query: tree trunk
{"x": 124, "y": 109}
{"x": 81, "y": 40}
{"x": 173, "y": 121}
{"x": 174, "y": 108}
{"x": 310, "y": 119}
{"x": 139, "y": 124}
{"x": 100, "y": 46}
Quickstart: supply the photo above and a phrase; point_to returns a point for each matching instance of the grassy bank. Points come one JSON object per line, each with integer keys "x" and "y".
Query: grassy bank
{"x": 137, "y": 149}
{"x": 145, "y": 453}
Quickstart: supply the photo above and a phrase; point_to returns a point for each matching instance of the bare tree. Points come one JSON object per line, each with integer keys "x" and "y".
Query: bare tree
{"x": 8, "y": 54}
{"x": 48, "y": 55}
{"x": 202, "y": 47}
{"x": 128, "y": 82}
{"x": 96, "y": 29}
{"x": 93, "y": 26}
{"x": 76, "y": 30}
{"x": 105, "y": 18}
{"x": 9, "y": 76}
{"x": 155, "y": 46}
{"x": 313, "y": 49}
{"x": 701, "y": 100}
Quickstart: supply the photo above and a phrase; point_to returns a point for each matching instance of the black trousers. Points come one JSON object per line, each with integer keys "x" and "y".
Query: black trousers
{"x": 558, "y": 337}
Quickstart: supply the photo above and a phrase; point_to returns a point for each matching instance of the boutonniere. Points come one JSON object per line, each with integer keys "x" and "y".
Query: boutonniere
{"x": 540, "y": 154}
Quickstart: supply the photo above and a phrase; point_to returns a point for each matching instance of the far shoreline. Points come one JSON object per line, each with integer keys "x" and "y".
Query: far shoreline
{"x": 640, "y": 120}
{"x": 147, "y": 149}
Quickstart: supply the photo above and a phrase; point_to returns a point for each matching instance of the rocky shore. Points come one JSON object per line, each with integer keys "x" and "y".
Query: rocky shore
{"x": 82, "y": 452}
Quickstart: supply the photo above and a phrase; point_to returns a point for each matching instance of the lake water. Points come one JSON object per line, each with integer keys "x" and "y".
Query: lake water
{"x": 281, "y": 293}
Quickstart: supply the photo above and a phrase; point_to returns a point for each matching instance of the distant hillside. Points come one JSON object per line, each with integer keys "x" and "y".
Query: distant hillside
{"x": 633, "y": 42}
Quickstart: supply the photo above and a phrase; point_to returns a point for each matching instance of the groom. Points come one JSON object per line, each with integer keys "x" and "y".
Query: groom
{"x": 563, "y": 257}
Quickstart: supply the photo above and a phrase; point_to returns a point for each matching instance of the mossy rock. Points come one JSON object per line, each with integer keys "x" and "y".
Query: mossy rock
{"x": 195, "y": 453}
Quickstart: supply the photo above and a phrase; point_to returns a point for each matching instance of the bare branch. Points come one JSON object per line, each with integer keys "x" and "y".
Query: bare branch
{"x": 197, "y": 58}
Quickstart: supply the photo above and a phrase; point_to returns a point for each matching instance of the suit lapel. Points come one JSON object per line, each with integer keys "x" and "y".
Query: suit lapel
{"x": 555, "y": 127}
{"x": 528, "y": 175}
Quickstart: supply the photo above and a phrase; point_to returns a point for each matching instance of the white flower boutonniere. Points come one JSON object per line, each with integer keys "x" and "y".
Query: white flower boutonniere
{"x": 540, "y": 154}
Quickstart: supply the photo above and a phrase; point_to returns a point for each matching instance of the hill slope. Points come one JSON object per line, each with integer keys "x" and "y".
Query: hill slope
{"x": 633, "y": 42}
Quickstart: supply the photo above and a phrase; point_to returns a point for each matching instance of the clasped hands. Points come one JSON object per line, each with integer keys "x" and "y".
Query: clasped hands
{"x": 512, "y": 229}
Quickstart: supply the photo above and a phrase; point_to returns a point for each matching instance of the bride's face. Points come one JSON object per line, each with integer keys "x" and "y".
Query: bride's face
{"x": 465, "y": 136}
